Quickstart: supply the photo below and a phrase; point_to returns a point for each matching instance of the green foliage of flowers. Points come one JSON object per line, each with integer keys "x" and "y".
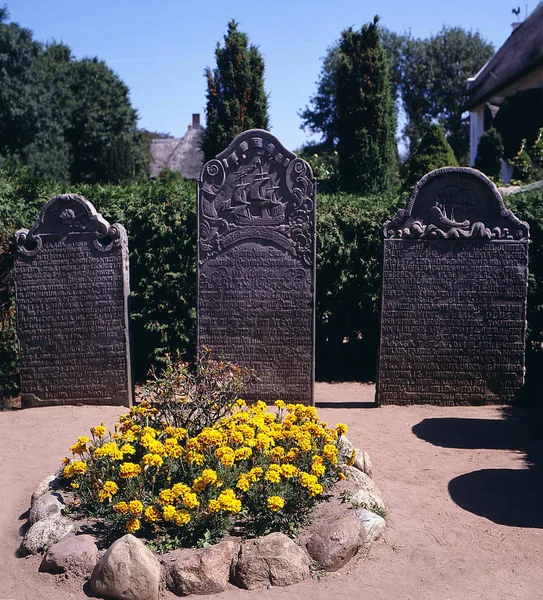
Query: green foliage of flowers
{"x": 243, "y": 467}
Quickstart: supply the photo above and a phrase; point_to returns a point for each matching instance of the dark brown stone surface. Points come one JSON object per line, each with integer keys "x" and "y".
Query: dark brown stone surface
{"x": 256, "y": 264}
{"x": 455, "y": 276}
{"x": 72, "y": 291}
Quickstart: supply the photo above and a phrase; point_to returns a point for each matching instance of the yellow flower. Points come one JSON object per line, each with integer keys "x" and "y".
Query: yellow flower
{"x": 209, "y": 476}
{"x": 80, "y": 446}
{"x": 121, "y": 508}
{"x": 280, "y": 404}
{"x": 182, "y": 517}
{"x": 77, "y": 467}
{"x": 315, "y": 489}
{"x": 228, "y": 501}
{"x": 136, "y": 507}
{"x": 195, "y": 457}
{"x": 330, "y": 452}
{"x": 99, "y": 431}
{"x": 213, "y": 506}
{"x": 275, "y": 503}
{"x": 151, "y": 514}
{"x": 153, "y": 460}
{"x": 318, "y": 469}
{"x": 341, "y": 428}
{"x": 133, "y": 525}
{"x": 128, "y": 449}
{"x": 128, "y": 470}
{"x": 243, "y": 453}
{"x": 342, "y": 476}
{"x": 179, "y": 489}
{"x": 226, "y": 456}
{"x": 168, "y": 512}
{"x": 272, "y": 476}
{"x": 255, "y": 473}
{"x": 289, "y": 471}
{"x": 109, "y": 450}
{"x": 190, "y": 500}
{"x": 244, "y": 482}
{"x": 74, "y": 485}
{"x": 277, "y": 453}
{"x": 167, "y": 496}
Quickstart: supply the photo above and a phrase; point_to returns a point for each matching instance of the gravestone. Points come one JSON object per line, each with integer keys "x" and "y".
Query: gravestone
{"x": 71, "y": 277}
{"x": 256, "y": 265}
{"x": 455, "y": 277}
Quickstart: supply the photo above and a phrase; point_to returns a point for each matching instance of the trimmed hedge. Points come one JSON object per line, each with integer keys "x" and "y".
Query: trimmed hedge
{"x": 160, "y": 218}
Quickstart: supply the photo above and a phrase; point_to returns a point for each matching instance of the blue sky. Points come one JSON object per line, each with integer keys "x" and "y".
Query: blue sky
{"x": 161, "y": 47}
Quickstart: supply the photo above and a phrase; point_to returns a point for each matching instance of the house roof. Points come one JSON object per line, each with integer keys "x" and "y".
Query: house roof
{"x": 521, "y": 54}
{"x": 179, "y": 154}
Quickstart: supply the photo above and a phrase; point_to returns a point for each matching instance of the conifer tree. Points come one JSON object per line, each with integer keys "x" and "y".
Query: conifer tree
{"x": 433, "y": 152}
{"x": 366, "y": 113}
{"x": 489, "y": 153}
{"x": 236, "y": 100}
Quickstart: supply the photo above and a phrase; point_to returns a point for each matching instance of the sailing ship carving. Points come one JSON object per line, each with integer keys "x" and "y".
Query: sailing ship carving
{"x": 255, "y": 201}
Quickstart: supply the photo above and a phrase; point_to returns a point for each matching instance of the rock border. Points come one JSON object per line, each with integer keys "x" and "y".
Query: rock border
{"x": 129, "y": 570}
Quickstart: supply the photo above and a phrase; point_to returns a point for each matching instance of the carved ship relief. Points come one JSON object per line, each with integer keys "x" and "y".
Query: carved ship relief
{"x": 256, "y": 189}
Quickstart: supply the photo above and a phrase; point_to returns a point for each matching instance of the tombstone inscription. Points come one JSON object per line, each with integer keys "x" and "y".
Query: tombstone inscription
{"x": 256, "y": 265}
{"x": 454, "y": 286}
{"x": 72, "y": 286}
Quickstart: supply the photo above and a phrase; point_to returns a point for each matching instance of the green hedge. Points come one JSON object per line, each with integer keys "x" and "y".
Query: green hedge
{"x": 160, "y": 218}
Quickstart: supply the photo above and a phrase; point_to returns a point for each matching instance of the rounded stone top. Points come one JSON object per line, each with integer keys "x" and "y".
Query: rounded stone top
{"x": 456, "y": 202}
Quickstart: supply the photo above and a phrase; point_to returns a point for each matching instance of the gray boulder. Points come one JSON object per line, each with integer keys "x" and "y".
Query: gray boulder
{"x": 362, "y": 462}
{"x": 45, "y": 533}
{"x": 368, "y": 494}
{"x": 127, "y": 571}
{"x": 334, "y": 544}
{"x": 373, "y": 524}
{"x": 45, "y": 486}
{"x": 76, "y": 554}
{"x": 44, "y": 506}
{"x": 270, "y": 560}
{"x": 202, "y": 570}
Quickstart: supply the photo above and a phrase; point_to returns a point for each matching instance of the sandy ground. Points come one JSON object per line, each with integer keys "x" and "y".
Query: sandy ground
{"x": 463, "y": 486}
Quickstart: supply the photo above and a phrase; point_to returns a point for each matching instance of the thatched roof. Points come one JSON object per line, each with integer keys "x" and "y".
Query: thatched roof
{"x": 179, "y": 154}
{"x": 518, "y": 64}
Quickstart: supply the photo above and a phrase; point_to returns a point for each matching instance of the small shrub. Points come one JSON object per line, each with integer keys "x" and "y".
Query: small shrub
{"x": 489, "y": 153}
{"x": 433, "y": 152}
{"x": 522, "y": 165}
{"x": 189, "y": 485}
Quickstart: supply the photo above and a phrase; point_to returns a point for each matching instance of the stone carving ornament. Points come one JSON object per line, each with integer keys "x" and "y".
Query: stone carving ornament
{"x": 256, "y": 188}
{"x": 456, "y": 203}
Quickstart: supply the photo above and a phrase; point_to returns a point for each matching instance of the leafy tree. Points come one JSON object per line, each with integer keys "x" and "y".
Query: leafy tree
{"x": 522, "y": 164}
{"x": 433, "y": 152}
{"x": 236, "y": 100}
{"x": 429, "y": 79}
{"x": 366, "y": 121}
{"x": 489, "y": 153}
{"x": 64, "y": 119}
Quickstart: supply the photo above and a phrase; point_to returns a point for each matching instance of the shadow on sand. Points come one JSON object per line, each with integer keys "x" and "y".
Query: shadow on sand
{"x": 507, "y": 496}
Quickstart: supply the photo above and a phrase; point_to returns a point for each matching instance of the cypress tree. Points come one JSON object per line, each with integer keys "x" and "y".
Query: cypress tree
{"x": 366, "y": 113}
{"x": 236, "y": 100}
{"x": 433, "y": 152}
{"x": 489, "y": 153}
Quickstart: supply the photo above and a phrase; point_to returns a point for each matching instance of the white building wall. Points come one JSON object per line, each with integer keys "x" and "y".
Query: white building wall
{"x": 477, "y": 127}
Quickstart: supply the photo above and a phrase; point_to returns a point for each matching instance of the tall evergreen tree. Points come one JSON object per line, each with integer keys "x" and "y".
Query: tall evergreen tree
{"x": 366, "y": 113}
{"x": 236, "y": 100}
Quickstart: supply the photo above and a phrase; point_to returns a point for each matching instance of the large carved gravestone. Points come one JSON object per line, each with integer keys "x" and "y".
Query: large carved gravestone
{"x": 256, "y": 264}
{"x": 454, "y": 287}
{"x": 71, "y": 275}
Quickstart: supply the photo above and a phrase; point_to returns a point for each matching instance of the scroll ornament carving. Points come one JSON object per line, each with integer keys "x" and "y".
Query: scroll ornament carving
{"x": 70, "y": 214}
{"x": 270, "y": 195}
{"x": 438, "y": 221}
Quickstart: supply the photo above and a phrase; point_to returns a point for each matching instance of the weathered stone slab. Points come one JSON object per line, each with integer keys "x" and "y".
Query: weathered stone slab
{"x": 72, "y": 291}
{"x": 256, "y": 264}
{"x": 455, "y": 276}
